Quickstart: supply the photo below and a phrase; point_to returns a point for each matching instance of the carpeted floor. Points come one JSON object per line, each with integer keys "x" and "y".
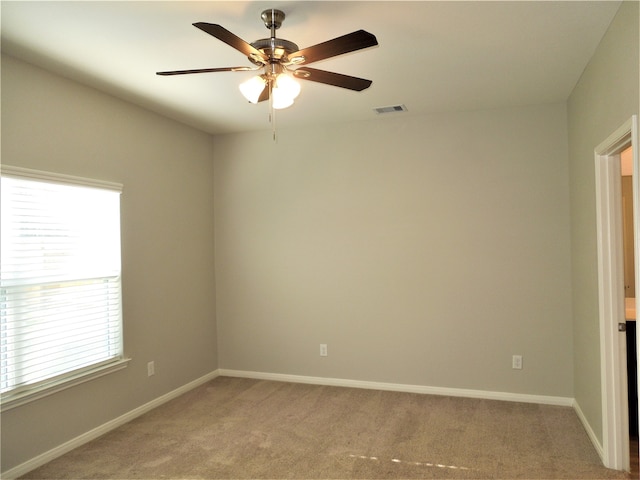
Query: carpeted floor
{"x": 242, "y": 428}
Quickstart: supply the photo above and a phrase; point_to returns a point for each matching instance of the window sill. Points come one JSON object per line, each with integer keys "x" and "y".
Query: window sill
{"x": 20, "y": 398}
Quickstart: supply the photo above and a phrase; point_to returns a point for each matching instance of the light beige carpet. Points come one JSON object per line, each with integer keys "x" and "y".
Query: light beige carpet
{"x": 241, "y": 428}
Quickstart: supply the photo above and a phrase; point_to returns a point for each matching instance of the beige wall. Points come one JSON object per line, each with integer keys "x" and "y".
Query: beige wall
{"x": 605, "y": 97}
{"x": 49, "y": 123}
{"x": 423, "y": 250}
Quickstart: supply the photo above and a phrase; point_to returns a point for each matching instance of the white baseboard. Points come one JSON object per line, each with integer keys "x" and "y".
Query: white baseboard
{"x": 102, "y": 429}
{"x": 592, "y": 436}
{"x": 452, "y": 392}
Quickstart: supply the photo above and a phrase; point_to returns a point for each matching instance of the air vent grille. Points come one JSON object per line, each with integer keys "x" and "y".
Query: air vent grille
{"x": 390, "y": 109}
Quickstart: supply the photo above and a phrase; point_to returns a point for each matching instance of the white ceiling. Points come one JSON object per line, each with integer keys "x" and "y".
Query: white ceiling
{"x": 432, "y": 56}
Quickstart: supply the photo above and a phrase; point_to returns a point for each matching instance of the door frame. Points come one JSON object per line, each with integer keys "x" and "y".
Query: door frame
{"x": 615, "y": 408}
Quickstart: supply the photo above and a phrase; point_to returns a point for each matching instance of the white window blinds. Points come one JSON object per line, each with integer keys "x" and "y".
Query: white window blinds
{"x": 60, "y": 291}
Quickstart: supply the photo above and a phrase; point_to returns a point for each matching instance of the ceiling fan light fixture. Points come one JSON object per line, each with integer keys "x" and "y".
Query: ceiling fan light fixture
{"x": 252, "y": 88}
{"x": 287, "y": 84}
{"x": 284, "y": 91}
{"x": 280, "y": 100}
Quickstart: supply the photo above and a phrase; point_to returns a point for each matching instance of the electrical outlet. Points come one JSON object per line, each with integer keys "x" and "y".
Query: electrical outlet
{"x": 323, "y": 350}
{"x": 516, "y": 362}
{"x": 151, "y": 369}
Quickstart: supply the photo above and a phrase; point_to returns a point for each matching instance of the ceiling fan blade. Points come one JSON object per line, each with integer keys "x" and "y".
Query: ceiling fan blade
{"x": 207, "y": 70}
{"x": 331, "y": 78}
{"x": 344, "y": 44}
{"x": 232, "y": 40}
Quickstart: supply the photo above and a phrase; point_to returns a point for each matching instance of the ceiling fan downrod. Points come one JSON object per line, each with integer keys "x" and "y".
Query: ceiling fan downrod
{"x": 273, "y": 20}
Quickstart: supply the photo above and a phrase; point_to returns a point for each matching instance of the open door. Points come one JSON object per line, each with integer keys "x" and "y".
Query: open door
{"x": 611, "y": 287}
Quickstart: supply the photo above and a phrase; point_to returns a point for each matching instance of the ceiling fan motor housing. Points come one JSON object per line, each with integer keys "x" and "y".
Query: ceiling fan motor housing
{"x": 274, "y": 48}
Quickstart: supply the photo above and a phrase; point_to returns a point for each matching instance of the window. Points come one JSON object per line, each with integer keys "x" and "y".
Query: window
{"x": 60, "y": 291}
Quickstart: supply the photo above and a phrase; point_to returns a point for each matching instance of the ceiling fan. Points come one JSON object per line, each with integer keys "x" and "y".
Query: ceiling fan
{"x": 281, "y": 61}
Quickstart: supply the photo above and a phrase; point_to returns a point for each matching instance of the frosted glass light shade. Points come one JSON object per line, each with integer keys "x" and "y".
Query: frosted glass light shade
{"x": 288, "y": 85}
{"x": 281, "y": 99}
{"x": 252, "y": 88}
{"x": 284, "y": 91}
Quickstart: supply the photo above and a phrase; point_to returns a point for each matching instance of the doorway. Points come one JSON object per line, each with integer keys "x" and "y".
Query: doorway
{"x": 611, "y": 287}
{"x": 628, "y": 229}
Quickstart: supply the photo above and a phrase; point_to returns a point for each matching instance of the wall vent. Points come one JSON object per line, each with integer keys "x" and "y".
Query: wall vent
{"x": 390, "y": 109}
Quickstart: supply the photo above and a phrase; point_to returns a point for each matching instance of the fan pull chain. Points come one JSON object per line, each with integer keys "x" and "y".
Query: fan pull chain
{"x": 272, "y": 115}
{"x": 273, "y": 126}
